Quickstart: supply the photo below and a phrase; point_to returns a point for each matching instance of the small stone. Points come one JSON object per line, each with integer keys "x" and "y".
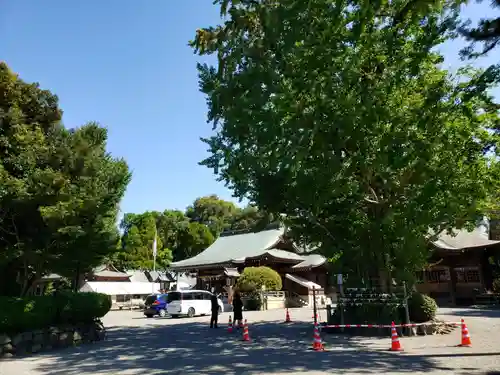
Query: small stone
{"x": 4, "y": 339}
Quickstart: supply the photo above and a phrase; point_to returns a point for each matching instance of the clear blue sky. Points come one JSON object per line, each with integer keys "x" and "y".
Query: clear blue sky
{"x": 126, "y": 65}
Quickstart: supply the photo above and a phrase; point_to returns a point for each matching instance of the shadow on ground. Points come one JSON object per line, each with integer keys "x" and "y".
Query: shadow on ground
{"x": 193, "y": 348}
{"x": 481, "y": 312}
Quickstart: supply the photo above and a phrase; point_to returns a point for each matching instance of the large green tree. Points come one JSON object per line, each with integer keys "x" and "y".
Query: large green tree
{"x": 137, "y": 243}
{"x": 345, "y": 122}
{"x": 177, "y": 238}
{"x": 59, "y": 189}
{"x": 220, "y": 215}
{"x": 212, "y": 211}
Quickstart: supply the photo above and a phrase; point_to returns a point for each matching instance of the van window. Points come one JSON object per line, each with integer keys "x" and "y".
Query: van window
{"x": 174, "y": 296}
{"x": 198, "y": 296}
{"x": 207, "y": 296}
{"x": 187, "y": 296}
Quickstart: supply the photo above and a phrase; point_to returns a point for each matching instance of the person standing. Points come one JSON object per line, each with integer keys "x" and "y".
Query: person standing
{"x": 215, "y": 311}
{"x": 238, "y": 309}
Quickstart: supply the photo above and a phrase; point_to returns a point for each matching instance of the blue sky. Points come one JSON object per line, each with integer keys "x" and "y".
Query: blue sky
{"x": 126, "y": 65}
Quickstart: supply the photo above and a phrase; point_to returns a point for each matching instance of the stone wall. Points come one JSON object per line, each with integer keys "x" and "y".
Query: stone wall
{"x": 50, "y": 338}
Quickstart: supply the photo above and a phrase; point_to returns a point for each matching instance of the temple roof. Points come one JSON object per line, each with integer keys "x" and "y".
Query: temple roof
{"x": 463, "y": 239}
{"x": 236, "y": 248}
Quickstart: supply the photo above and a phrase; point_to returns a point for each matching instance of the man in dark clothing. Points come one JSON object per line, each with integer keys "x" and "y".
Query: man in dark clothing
{"x": 215, "y": 311}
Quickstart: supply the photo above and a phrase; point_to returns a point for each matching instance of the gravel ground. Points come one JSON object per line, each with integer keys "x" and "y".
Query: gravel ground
{"x": 137, "y": 345}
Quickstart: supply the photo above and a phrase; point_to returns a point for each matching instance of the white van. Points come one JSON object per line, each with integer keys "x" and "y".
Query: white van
{"x": 191, "y": 303}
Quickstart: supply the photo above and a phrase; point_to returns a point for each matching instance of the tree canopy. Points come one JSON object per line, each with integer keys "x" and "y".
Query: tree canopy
{"x": 346, "y": 123}
{"x": 59, "y": 189}
{"x": 181, "y": 235}
{"x": 486, "y": 33}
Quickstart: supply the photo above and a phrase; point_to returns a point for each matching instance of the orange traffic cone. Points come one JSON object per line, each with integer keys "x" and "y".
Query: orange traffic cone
{"x": 317, "y": 344}
{"x": 230, "y": 325}
{"x": 465, "y": 335}
{"x": 287, "y": 318}
{"x": 395, "y": 344}
{"x": 246, "y": 336}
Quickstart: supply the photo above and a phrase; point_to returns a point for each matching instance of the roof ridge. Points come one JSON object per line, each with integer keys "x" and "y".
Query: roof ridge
{"x": 234, "y": 232}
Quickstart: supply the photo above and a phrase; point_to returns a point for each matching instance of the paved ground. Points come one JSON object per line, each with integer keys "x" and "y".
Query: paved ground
{"x": 137, "y": 345}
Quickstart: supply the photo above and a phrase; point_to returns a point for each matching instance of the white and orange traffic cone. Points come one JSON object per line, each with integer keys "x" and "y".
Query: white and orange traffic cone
{"x": 317, "y": 344}
{"x": 230, "y": 325}
{"x": 246, "y": 335}
{"x": 465, "y": 341}
{"x": 287, "y": 317}
{"x": 395, "y": 344}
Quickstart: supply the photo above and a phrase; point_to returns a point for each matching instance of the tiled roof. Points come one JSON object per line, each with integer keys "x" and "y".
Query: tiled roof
{"x": 160, "y": 276}
{"x": 137, "y": 276}
{"x": 313, "y": 260}
{"x": 463, "y": 239}
{"x": 236, "y": 248}
{"x": 106, "y": 273}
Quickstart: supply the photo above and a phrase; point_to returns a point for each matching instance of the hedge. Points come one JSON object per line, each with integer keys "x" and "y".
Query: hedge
{"x": 38, "y": 312}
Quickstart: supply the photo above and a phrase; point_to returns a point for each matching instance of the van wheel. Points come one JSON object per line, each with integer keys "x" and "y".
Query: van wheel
{"x": 191, "y": 312}
{"x": 162, "y": 313}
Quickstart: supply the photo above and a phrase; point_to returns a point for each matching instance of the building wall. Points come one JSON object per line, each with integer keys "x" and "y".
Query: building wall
{"x": 456, "y": 278}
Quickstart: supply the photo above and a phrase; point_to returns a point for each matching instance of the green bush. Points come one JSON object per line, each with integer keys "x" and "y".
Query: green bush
{"x": 38, "y": 312}
{"x": 253, "y": 278}
{"x": 253, "y": 303}
{"x": 422, "y": 308}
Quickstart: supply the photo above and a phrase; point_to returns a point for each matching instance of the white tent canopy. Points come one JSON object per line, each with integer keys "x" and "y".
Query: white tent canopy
{"x": 114, "y": 288}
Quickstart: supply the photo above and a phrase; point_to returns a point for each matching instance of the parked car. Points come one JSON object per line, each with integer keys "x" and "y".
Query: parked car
{"x": 191, "y": 303}
{"x": 156, "y": 304}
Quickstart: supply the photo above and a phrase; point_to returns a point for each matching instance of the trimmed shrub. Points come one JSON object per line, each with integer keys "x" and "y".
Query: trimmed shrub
{"x": 38, "y": 312}
{"x": 253, "y": 303}
{"x": 253, "y": 278}
{"x": 422, "y": 308}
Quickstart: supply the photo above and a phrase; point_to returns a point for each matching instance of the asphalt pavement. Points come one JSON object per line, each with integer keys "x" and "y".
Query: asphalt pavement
{"x": 137, "y": 345}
